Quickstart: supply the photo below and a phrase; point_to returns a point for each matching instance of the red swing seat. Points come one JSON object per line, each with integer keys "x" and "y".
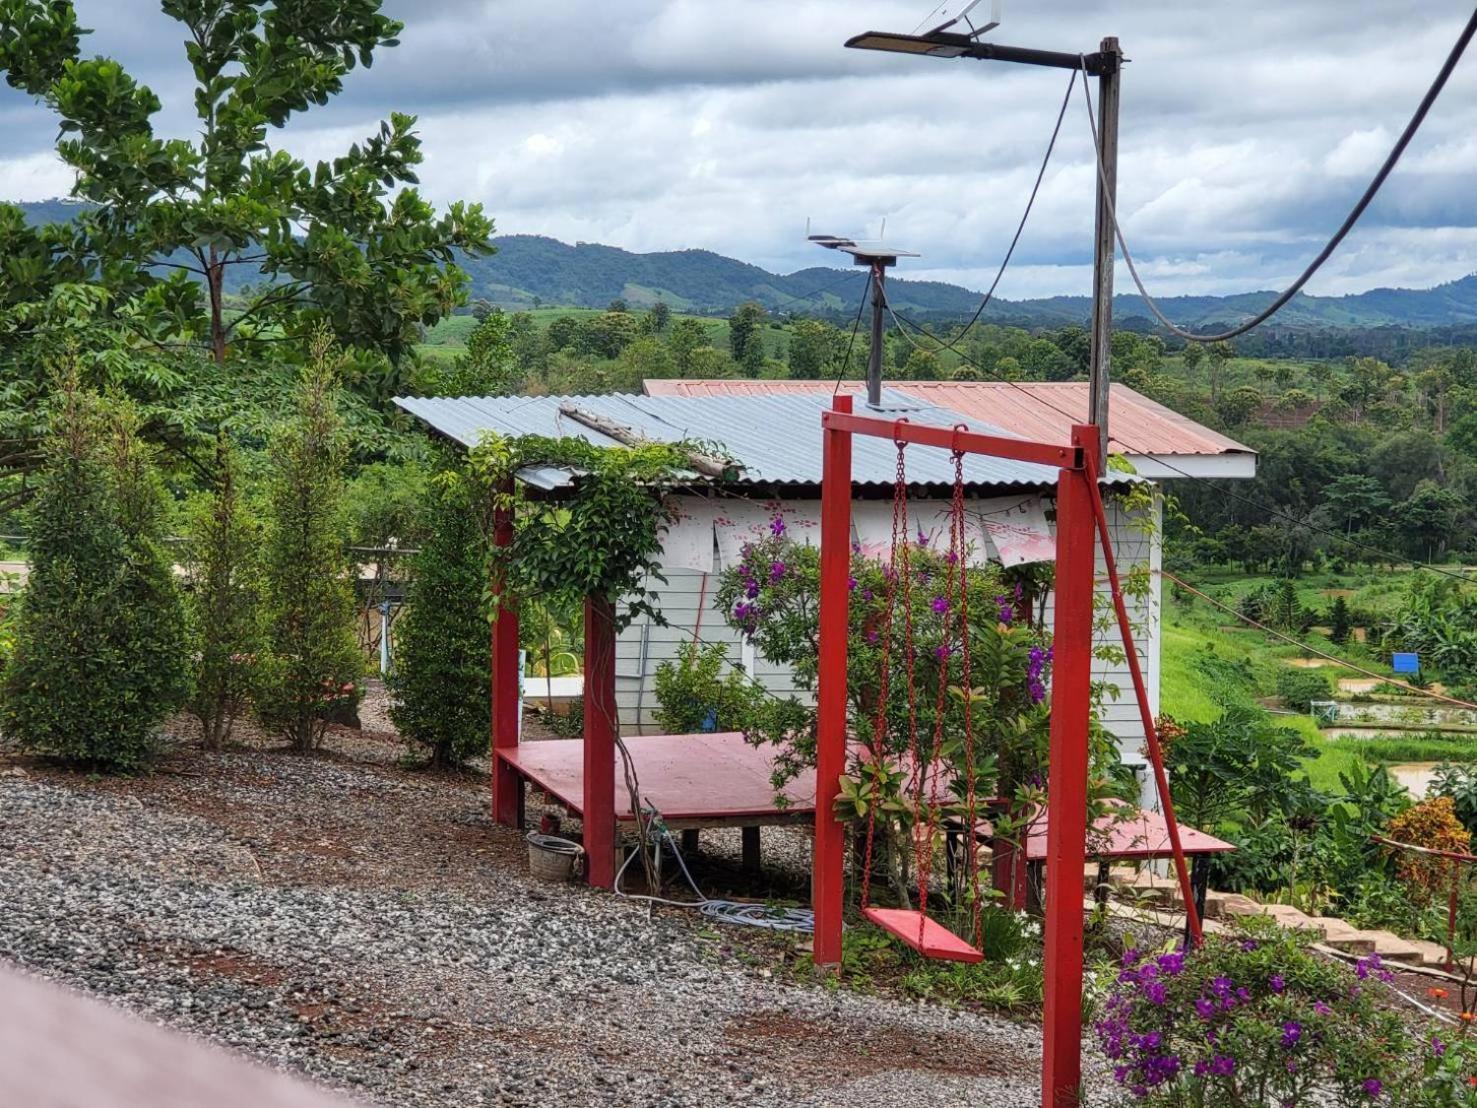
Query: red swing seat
{"x": 930, "y": 939}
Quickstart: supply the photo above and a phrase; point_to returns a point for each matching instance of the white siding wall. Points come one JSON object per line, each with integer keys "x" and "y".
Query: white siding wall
{"x": 643, "y": 646}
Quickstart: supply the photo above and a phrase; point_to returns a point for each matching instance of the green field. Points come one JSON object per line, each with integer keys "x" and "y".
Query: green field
{"x": 1210, "y": 659}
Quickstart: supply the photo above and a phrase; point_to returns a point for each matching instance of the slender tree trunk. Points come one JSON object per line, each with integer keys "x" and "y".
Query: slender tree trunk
{"x": 215, "y": 279}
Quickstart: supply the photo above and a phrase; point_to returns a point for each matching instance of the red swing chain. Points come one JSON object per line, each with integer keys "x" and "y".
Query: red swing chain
{"x": 884, "y": 682}
{"x": 958, "y": 551}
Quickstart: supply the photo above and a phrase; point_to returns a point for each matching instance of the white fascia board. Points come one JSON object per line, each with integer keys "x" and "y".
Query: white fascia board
{"x": 1167, "y": 467}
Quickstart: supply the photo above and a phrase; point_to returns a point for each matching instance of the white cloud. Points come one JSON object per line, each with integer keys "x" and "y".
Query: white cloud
{"x": 1248, "y": 130}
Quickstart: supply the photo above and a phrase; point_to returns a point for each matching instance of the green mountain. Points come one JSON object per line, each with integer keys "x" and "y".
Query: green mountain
{"x": 529, "y": 267}
{"x": 533, "y": 269}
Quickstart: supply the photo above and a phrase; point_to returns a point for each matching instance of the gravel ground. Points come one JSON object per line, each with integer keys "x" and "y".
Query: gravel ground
{"x": 367, "y": 925}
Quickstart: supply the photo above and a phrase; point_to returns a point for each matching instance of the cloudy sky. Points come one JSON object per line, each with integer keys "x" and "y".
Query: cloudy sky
{"x": 1248, "y": 130}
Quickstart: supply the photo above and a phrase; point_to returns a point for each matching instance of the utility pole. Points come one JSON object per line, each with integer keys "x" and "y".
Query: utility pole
{"x": 874, "y": 362}
{"x": 1099, "y": 375}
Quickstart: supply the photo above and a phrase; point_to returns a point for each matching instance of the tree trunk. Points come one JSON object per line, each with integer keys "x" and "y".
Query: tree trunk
{"x": 215, "y": 274}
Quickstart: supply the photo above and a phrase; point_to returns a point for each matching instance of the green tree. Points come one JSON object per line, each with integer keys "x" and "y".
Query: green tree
{"x": 1430, "y": 519}
{"x": 488, "y": 366}
{"x": 347, "y": 241}
{"x": 562, "y": 331}
{"x": 1340, "y": 622}
{"x": 687, "y": 337}
{"x": 1218, "y": 354}
{"x": 606, "y": 334}
{"x": 1042, "y": 360}
{"x": 98, "y": 656}
{"x": 443, "y": 651}
{"x": 312, "y": 660}
{"x": 1193, "y": 355}
{"x": 1354, "y": 499}
{"x": 812, "y": 346}
{"x": 661, "y": 317}
{"x": 1237, "y": 406}
{"x": 224, "y": 600}
{"x": 745, "y": 328}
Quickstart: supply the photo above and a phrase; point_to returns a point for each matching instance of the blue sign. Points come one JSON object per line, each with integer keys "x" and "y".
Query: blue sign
{"x": 1406, "y": 663}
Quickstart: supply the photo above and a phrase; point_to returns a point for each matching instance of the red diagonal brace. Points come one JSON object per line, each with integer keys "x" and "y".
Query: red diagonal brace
{"x": 1151, "y": 733}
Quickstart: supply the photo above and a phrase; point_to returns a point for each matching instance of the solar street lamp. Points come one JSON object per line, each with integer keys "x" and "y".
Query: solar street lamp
{"x": 944, "y": 40}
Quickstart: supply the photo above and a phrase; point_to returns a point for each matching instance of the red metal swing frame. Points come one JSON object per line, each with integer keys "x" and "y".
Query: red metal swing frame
{"x": 1080, "y": 523}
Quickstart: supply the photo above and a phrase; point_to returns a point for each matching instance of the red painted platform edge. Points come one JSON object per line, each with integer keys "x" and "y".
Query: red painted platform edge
{"x": 927, "y": 937}
{"x": 575, "y": 804}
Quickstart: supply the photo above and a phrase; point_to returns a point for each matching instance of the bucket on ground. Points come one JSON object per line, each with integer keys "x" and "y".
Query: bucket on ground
{"x": 551, "y": 858}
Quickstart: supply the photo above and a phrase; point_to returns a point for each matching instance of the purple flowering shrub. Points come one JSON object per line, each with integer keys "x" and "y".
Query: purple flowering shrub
{"x": 1257, "y": 1019}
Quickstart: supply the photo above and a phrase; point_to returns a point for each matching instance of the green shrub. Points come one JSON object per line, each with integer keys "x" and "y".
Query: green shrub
{"x": 1458, "y": 781}
{"x": 312, "y": 661}
{"x": 224, "y": 601}
{"x": 1298, "y": 688}
{"x": 443, "y": 649}
{"x": 97, "y": 659}
{"x": 703, "y": 691}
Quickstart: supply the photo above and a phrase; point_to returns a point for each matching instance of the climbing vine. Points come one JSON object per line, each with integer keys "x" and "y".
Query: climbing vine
{"x": 601, "y": 540}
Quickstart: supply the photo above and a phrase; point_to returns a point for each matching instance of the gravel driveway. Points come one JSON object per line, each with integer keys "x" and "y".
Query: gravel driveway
{"x": 368, "y": 926}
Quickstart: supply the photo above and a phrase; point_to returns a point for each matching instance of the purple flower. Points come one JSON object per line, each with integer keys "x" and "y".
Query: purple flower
{"x": 872, "y": 637}
{"x": 1006, "y": 607}
{"x": 1373, "y": 1087}
{"x": 1366, "y": 966}
{"x": 1321, "y": 1008}
{"x": 922, "y": 537}
{"x": 751, "y": 588}
{"x": 952, "y": 557}
{"x": 1172, "y": 964}
{"x": 851, "y": 584}
{"x": 942, "y": 652}
{"x": 1438, "y": 1048}
{"x": 1154, "y": 992}
{"x": 940, "y": 605}
{"x": 866, "y": 594}
{"x": 1277, "y": 983}
{"x": 1205, "y": 1008}
{"x": 1292, "y": 1031}
{"x": 776, "y": 572}
{"x": 777, "y": 527}
{"x": 1248, "y": 945}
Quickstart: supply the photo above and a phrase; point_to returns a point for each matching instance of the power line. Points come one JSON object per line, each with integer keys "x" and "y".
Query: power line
{"x": 1312, "y": 649}
{"x": 904, "y": 322}
{"x": 1338, "y": 237}
{"x": 857, "y": 322}
{"x": 1026, "y": 214}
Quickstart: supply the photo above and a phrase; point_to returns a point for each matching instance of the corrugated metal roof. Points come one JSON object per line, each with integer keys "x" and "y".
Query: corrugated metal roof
{"x": 1040, "y": 410}
{"x": 774, "y": 438}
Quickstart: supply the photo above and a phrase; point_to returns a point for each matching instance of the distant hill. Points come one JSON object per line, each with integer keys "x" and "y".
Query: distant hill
{"x": 529, "y": 269}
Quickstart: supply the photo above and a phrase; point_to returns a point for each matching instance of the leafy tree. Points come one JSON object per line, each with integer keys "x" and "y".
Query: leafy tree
{"x": 1193, "y": 355}
{"x": 1044, "y": 361}
{"x": 687, "y": 338}
{"x": 812, "y": 346}
{"x": 647, "y": 357}
{"x": 312, "y": 659}
{"x": 98, "y": 656}
{"x": 1431, "y": 518}
{"x": 661, "y": 317}
{"x": 1462, "y": 436}
{"x": 562, "y": 331}
{"x": 607, "y": 334}
{"x": 745, "y": 329}
{"x": 923, "y": 365}
{"x": 1354, "y": 499}
{"x": 444, "y": 649}
{"x": 487, "y": 367}
{"x": 702, "y": 690}
{"x": 1237, "y": 406}
{"x": 224, "y": 601}
{"x": 1218, "y": 354}
{"x": 618, "y": 305}
{"x": 346, "y": 241}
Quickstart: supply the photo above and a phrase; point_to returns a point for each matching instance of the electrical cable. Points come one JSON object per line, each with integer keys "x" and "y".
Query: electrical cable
{"x": 1026, "y": 214}
{"x": 903, "y": 323}
{"x": 1314, "y": 650}
{"x": 857, "y": 322}
{"x": 1323, "y": 255}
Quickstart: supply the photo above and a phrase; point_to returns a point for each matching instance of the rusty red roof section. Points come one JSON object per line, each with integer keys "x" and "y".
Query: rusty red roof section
{"x": 1043, "y": 411}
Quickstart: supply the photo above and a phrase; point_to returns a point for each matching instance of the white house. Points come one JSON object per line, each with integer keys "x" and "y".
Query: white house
{"x": 772, "y": 430}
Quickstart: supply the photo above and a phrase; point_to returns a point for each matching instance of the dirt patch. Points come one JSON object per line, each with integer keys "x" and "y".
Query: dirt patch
{"x": 862, "y": 1050}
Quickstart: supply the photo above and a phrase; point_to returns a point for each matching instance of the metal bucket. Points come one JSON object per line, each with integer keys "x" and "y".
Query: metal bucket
{"x": 551, "y": 858}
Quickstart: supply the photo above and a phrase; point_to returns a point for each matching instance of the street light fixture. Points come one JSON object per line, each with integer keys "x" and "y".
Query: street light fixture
{"x": 1061, "y": 1071}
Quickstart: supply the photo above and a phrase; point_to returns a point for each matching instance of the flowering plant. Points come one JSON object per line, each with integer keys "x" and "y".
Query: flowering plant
{"x": 1257, "y": 1019}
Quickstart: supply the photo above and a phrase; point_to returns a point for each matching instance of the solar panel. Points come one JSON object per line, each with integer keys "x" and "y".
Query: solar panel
{"x": 949, "y": 14}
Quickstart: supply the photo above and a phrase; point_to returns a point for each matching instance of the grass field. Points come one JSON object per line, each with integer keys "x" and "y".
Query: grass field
{"x": 1209, "y": 660}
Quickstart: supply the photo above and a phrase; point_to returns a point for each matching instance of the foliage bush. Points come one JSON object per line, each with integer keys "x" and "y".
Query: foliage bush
{"x": 1298, "y": 688}
{"x": 98, "y": 653}
{"x": 312, "y": 662}
{"x": 703, "y": 691}
{"x": 1458, "y": 782}
{"x": 1431, "y": 824}
{"x": 1260, "y": 1020}
{"x": 224, "y": 600}
{"x": 443, "y": 651}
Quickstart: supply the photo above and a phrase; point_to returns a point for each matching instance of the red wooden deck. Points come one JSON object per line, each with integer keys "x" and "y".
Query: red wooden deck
{"x": 691, "y": 779}
{"x": 1137, "y": 835}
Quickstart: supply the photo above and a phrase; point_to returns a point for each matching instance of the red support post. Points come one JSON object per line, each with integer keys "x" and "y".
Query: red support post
{"x": 1066, "y": 834}
{"x": 600, "y": 728}
{"x": 507, "y": 787}
{"x": 827, "y": 874}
